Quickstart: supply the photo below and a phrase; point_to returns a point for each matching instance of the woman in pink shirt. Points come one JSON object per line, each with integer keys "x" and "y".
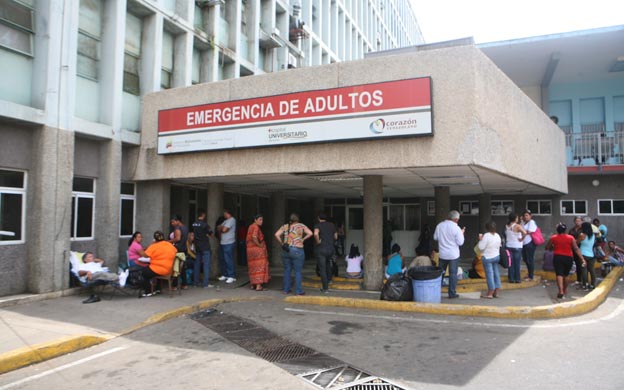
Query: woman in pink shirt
{"x": 135, "y": 250}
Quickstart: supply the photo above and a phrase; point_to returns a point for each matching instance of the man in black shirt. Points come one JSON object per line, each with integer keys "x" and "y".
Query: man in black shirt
{"x": 202, "y": 249}
{"x": 324, "y": 237}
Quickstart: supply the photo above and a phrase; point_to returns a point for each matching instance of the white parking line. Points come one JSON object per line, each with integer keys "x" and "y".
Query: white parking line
{"x": 61, "y": 368}
{"x": 618, "y": 310}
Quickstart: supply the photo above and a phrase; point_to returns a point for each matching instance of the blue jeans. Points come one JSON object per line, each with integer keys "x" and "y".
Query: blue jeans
{"x": 227, "y": 260}
{"x": 528, "y": 253}
{"x": 452, "y": 266}
{"x": 202, "y": 257}
{"x": 514, "y": 269}
{"x": 615, "y": 261}
{"x": 492, "y": 276}
{"x": 293, "y": 259}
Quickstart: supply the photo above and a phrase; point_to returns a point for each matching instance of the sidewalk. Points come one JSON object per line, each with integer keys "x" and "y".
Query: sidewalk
{"x": 50, "y": 325}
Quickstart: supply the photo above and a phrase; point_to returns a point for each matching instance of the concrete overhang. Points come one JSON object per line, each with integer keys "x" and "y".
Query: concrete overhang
{"x": 488, "y": 135}
{"x": 581, "y": 55}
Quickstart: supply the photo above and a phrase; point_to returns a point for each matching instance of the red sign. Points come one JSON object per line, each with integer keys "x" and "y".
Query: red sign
{"x": 346, "y": 101}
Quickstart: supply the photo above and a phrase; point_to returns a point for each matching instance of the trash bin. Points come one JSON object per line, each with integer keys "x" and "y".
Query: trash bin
{"x": 427, "y": 283}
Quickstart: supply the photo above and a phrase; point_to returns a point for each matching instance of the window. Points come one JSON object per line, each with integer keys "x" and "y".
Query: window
{"x": 12, "y": 206}
{"x": 469, "y": 207}
{"x": 610, "y": 206}
{"x": 502, "y": 207}
{"x": 132, "y": 55}
{"x": 16, "y": 26}
{"x": 83, "y": 202}
{"x": 356, "y": 218}
{"x": 431, "y": 208}
{"x": 89, "y": 34}
{"x": 166, "y": 72}
{"x": 573, "y": 207}
{"x": 404, "y": 216}
{"x": 127, "y": 209}
{"x": 539, "y": 207}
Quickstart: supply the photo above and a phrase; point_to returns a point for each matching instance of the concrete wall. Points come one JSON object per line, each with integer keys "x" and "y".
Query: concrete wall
{"x": 478, "y": 113}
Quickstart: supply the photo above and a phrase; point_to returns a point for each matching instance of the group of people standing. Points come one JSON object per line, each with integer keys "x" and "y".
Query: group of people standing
{"x": 187, "y": 252}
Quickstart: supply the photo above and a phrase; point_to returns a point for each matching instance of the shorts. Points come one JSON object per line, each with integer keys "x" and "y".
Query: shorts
{"x": 563, "y": 265}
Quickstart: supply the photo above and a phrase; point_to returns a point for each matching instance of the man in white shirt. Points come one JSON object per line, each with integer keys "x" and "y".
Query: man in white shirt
{"x": 91, "y": 270}
{"x": 228, "y": 241}
{"x": 450, "y": 237}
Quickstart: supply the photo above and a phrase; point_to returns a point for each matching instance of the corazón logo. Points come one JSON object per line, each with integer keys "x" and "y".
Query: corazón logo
{"x": 377, "y": 126}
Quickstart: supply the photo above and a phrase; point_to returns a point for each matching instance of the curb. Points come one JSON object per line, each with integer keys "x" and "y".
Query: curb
{"x": 37, "y": 353}
{"x": 559, "y": 310}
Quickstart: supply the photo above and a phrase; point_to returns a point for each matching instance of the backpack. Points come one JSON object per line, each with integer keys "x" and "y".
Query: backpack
{"x": 135, "y": 278}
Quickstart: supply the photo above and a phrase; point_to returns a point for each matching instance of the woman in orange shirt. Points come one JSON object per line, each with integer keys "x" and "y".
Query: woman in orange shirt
{"x": 162, "y": 254}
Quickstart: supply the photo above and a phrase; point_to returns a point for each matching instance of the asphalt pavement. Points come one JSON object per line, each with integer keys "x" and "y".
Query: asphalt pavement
{"x": 36, "y": 328}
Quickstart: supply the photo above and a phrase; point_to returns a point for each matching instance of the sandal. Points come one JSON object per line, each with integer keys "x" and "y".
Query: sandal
{"x": 486, "y": 297}
{"x": 260, "y": 289}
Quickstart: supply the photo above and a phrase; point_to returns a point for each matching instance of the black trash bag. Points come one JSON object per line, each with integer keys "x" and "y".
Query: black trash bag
{"x": 424, "y": 273}
{"x": 398, "y": 288}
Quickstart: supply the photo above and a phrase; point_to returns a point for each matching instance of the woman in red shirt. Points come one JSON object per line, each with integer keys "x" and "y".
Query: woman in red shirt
{"x": 563, "y": 246}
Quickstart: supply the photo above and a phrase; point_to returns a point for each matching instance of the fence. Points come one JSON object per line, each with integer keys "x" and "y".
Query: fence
{"x": 597, "y": 148}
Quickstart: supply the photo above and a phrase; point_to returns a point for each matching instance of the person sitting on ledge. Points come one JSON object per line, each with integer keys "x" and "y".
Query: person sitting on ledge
{"x": 354, "y": 263}
{"x": 422, "y": 259}
{"x": 395, "y": 262}
{"x": 615, "y": 254}
{"x": 91, "y": 270}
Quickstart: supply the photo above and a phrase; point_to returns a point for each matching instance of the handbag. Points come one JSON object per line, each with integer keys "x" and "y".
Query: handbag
{"x": 537, "y": 237}
{"x": 505, "y": 258}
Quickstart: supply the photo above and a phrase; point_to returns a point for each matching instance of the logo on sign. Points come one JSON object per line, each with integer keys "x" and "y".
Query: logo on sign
{"x": 377, "y": 126}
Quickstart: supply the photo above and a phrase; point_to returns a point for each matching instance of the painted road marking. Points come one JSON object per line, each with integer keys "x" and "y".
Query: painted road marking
{"x": 61, "y": 368}
{"x": 618, "y": 310}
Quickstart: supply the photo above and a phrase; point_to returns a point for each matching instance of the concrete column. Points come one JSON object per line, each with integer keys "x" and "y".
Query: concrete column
{"x": 111, "y": 64}
{"x": 49, "y": 214}
{"x": 107, "y": 202}
{"x": 210, "y": 57}
{"x": 213, "y": 212}
{"x": 278, "y": 218}
{"x": 153, "y": 208}
{"x": 253, "y": 31}
{"x": 442, "y": 203}
{"x": 183, "y": 60}
{"x": 54, "y": 64}
{"x": 485, "y": 211}
{"x": 151, "y": 56}
{"x": 373, "y": 222}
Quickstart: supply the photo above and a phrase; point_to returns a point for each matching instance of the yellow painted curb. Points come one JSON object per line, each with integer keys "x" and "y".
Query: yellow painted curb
{"x": 189, "y": 309}
{"x": 559, "y": 310}
{"x": 481, "y": 285}
{"x": 333, "y": 286}
{"x": 36, "y": 353}
{"x": 39, "y": 352}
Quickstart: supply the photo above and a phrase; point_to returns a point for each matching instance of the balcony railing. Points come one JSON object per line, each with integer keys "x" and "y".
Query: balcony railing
{"x": 591, "y": 149}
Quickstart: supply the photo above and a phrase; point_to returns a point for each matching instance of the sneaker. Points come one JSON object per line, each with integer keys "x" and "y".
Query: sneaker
{"x": 222, "y": 278}
{"x": 208, "y": 286}
{"x": 145, "y": 295}
{"x": 123, "y": 277}
{"x": 92, "y": 299}
{"x": 301, "y": 293}
{"x": 454, "y": 296}
{"x": 230, "y": 280}
{"x": 325, "y": 291}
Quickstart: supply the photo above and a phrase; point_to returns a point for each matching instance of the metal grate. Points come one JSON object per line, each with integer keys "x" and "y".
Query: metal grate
{"x": 347, "y": 377}
{"x": 318, "y": 369}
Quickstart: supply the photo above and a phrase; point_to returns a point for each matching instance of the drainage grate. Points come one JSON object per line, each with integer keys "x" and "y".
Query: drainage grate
{"x": 318, "y": 369}
{"x": 347, "y": 377}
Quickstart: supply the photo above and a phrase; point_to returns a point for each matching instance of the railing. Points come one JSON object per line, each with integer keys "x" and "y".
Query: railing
{"x": 591, "y": 149}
